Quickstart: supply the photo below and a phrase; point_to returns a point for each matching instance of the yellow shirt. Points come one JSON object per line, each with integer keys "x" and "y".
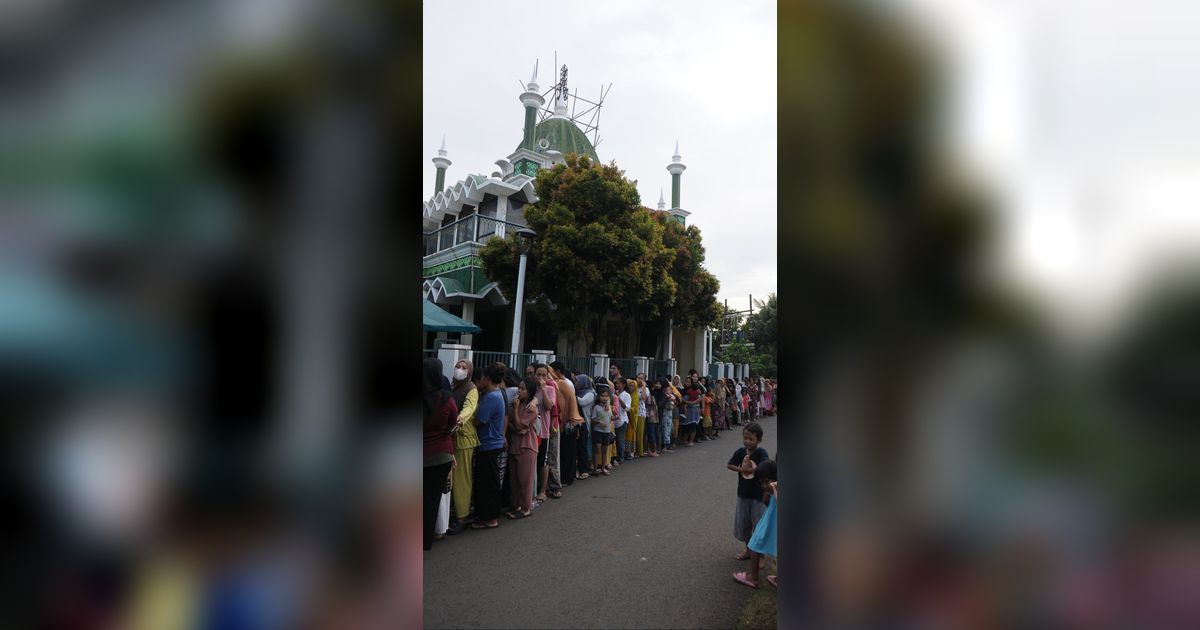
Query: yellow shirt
{"x": 466, "y": 437}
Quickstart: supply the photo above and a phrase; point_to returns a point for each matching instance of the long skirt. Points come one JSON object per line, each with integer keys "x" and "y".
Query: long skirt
{"x": 522, "y": 468}
{"x": 433, "y": 480}
{"x": 461, "y": 494}
{"x": 639, "y": 435}
{"x": 718, "y": 415}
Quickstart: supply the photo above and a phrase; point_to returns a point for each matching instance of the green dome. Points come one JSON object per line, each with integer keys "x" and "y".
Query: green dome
{"x": 564, "y": 136}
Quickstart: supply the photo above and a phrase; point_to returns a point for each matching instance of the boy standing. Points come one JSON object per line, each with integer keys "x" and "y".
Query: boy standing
{"x": 750, "y": 506}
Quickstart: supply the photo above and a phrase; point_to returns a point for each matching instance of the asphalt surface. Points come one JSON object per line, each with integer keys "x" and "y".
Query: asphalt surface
{"x": 650, "y": 546}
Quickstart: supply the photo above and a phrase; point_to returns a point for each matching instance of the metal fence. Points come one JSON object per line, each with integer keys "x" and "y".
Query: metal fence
{"x": 516, "y": 361}
{"x": 629, "y": 367}
{"x": 473, "y": 228}
{"x": 659, "y": 368}
{"x": 578, "y": 365}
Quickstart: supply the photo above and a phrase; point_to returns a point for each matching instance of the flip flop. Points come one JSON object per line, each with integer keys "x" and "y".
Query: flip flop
{"x": 741, "y": 577}
{"x": 516, "y": 516}
{"x": 774, "y": 580}
{"x": 556, "y": 495}
{"x": 482, "y": 525}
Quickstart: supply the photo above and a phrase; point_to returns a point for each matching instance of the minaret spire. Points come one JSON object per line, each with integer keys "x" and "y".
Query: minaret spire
{"x": 676, "y": 168}
{"x": 532, "y": 101}
{"x": 662, "y": 204}
{"x": 441, "y": 163}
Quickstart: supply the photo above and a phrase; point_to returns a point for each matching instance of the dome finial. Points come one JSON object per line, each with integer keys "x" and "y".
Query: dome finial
{"x": 560, "y": 94}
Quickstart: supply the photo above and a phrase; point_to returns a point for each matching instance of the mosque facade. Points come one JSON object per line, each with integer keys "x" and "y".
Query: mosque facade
{"x": 461, "y": 217}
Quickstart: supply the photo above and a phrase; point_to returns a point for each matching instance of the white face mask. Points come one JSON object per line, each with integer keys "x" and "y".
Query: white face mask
{"x": 460, "y": 374}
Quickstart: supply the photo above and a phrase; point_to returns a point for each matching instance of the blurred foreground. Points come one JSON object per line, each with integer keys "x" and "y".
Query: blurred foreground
{"x": 201, "y": 329}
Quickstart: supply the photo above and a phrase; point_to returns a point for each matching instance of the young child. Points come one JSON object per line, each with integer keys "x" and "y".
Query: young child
{"x": 623, "y": 400}
{"x": 749, "y": 492}
{"x": 654, "y": 400}
{"x": 707, "y": 415}
{"x": 602, "y": 416}
{"x": 762, "y": 542}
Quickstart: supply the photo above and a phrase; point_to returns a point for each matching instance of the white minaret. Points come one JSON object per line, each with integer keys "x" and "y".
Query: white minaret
{"x": 441, "y": 162}
{"x": 532, "y": 101}
{"x": 676, "y": 168}
{"x": 662, "y": 205}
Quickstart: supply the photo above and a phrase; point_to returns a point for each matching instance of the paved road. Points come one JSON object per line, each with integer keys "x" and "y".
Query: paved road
{"x": 651, "y": 546}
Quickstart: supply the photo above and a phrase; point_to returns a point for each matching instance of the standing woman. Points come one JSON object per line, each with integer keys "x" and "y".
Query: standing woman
{"x": 440, "y": 415}
{"x": 523, "y": 447}
{"x": 635, "y": 425}
{"x": 719, "y": 407}
{"x": 585, "y": 395}
{"x": 680, "y": 411}
{"x": 546, "y": 429}
{"x": 466, "y": 397}
{"x": 571, "y": 421}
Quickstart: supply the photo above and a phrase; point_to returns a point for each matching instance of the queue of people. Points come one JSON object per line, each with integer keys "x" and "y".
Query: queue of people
{"x": 500, "y": 444}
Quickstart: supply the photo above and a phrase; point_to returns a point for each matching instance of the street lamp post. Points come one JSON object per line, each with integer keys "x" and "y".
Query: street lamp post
{"x": 524, "y": 236}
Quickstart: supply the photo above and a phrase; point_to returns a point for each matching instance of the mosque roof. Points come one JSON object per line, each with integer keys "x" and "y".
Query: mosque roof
{"x": 563, "y": 136}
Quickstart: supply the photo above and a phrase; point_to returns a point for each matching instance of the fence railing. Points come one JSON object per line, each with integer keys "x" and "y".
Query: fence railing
{"x": 659, "y": 368}
{"x": 629, "y": 367}
{"x": 475, "y": 228}
{"x": 578, "y": 365}
{"x": 517, "y": 361}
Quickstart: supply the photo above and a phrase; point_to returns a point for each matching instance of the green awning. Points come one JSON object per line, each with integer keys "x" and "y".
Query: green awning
{"x": 439, "y": 320}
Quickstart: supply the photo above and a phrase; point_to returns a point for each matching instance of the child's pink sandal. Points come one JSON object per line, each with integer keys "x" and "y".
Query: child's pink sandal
{"x": 741, "y": 577}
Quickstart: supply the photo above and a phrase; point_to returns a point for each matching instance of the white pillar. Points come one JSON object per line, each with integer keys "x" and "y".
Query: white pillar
{"x": 643, "y": 366}
{"x": 518, "y": 303}
{"x": 469, "y": 317}
{"x": 599, "y": 364}
{"x": 451, "y": 353}
{"x": 674, "y": 366}
{"x": 501, "y": 214}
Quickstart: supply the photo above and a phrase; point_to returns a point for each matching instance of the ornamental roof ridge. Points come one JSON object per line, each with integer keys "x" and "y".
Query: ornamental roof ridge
{"x": 471, "y": 187}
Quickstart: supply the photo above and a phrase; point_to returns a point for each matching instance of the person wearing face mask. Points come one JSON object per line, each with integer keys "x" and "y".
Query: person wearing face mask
{"x": 466, "y": 439}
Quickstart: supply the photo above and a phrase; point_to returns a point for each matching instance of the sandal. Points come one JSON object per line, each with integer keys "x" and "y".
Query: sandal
{"x": 557, "y": 494}
{"x": 774, "y": 580}
{"x": 581, "y": 475}
{"x": 518, "y": 515}
{"x": 482, "y": 525}
{"x": 741, "y": 577}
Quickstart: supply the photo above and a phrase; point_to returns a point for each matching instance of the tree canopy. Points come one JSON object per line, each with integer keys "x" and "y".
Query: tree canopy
{"x": 600, "y": 252}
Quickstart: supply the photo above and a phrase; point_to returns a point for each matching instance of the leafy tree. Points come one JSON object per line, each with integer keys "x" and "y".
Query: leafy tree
{"x": 695, "y": 305}
{"x": 598, "y": 251}
{"x": 762, "y": 327}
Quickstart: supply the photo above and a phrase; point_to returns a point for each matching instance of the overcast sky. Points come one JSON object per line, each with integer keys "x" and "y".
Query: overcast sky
{"x": 1081, "y": 115}
{"x": 703, "y": 72}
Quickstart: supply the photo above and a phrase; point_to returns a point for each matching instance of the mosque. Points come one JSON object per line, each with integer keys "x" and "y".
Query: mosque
{"x": 460, "y": 218}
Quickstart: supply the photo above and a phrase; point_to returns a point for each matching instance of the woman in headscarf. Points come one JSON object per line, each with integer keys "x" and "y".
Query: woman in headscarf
{"x": 719, "y": 408}
{"x": 466, "y": 396}
{"x": 440, "y": 416}
{"x": 585, "y": 395}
